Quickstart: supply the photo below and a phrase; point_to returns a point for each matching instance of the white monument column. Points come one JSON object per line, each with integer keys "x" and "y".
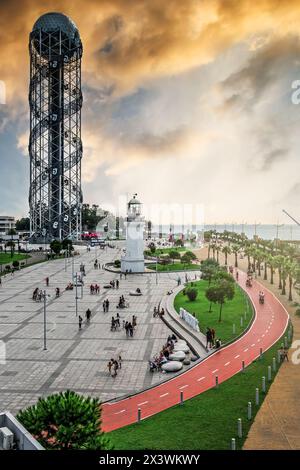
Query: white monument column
{"x": 133, "y": 260}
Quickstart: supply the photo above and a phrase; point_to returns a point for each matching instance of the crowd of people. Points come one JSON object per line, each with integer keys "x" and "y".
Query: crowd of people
{"x": 122, "y": 302}
{"x": 162, "y": 357}
{"x": 115, "y": 323}
{"x": 94, "y": 289}
{"x": 37, "y": 295}
{"x": 158, "y": 312}
{"x": 114, "y": 365}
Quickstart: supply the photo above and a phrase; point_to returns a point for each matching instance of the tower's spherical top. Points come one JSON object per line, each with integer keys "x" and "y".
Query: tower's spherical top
{"x": 54, "y": 21}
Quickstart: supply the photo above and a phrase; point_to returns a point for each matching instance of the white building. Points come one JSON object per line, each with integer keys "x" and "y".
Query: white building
{"x": 133, "y": 260}
{"x": 6, "y": 223}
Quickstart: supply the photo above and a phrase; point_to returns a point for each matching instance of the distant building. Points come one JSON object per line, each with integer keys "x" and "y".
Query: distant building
{"x": 7, "y": 223}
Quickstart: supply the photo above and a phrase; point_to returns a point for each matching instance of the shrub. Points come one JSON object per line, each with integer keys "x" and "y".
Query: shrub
{"x": 7, "y": 267}
{"x": 117, "y": 263}
{"x": 190, "y": 255}
{"x": 192, "y": 293}
{"x": 16, "y": 264}
{"x": 67, "y": 421}
{"x": 56, "y": 246}
{"x": 298, "y": 312}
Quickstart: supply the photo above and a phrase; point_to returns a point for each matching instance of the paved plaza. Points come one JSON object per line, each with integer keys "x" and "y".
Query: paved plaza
{"x": 76, "y": 359}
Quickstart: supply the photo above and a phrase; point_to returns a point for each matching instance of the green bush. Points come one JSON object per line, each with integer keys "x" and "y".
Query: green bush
{"x": 66, "y": 421}
{"x": 192, "y": 293}
{"x": 298, "y": 312}
{"x": 16, "y": 264}
{"x": 117, "y": 263}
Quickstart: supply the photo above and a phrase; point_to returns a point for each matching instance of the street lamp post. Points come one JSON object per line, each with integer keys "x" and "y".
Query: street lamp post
{"x": 156, "y": 272}
{"x": 76, "y": 294}
{"x": 72, "y": 266}
{"x": 45, "y": 320}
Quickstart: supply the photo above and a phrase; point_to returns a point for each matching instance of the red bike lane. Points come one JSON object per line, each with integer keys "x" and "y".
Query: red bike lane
{"x": 268, "y": 326}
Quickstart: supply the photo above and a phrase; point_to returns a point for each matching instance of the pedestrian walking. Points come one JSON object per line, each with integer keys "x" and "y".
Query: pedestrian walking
{"x": 47, "y": 281}
{"x": 104, "y": 306}
{"x": 107, "y": 305}
{"x": 120, "y": 361}
{"x": 88, "y": 314}
{"x": 109, "y": 366}
{"x": 80, "y": 322}
{"x": 115, "y": 368}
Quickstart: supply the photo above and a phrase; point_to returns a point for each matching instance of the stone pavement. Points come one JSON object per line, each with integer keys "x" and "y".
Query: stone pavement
{"x": 77, "y": 359}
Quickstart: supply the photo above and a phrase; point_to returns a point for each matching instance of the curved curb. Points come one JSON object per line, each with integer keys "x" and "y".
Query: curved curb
{"x": 190, "y": 373}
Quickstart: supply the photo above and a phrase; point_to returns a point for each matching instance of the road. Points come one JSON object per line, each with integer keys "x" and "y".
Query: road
{"x": 269, "y": 324}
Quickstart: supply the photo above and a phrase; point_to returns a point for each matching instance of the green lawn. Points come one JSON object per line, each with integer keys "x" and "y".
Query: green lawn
{"x": 231, "y": 314}
{"x": 174, "y": 267}
{"x": 206, "y": 422}
{"x": 164, "y": 251}
{"x": 5, "y": 258}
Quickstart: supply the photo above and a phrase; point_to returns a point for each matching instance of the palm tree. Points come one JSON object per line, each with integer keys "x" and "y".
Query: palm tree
{"x": 235, "y": 249}
{"x": 218, "y": 249}
{"x": 279, "y": 260}
{"x": 265, "y": 259}
{"x": 271, "y": 261}
{"x": 248, "y": 253}
{"x": 259, "y": 258}
{"x": 293, "y": 272}
{"x": 284, "y": 274}
{"x": 227, "y": 251}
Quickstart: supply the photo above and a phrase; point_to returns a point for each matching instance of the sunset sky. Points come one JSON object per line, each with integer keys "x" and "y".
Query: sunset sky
{"x": 185, "y": 101}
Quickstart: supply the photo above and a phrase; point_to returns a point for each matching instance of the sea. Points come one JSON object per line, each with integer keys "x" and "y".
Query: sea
{"x": 264, "y": 231}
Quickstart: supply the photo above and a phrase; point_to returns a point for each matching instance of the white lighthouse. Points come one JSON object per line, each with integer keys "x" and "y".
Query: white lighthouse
{"x": 133, "y": 260}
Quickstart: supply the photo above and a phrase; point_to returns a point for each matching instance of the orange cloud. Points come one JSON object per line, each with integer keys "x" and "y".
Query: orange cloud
{"x": 127, "y": 43}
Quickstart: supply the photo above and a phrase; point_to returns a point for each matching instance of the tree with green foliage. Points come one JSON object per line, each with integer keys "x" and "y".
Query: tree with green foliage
{"x": 66, "y": 421}
{"x": 220, "y": 275}
{"x": 179, "y": 242}
{"x": 67, "y": 245}
{"x": 191, "y": 293}
{"x": 224, "y": 291}
{"x": 191, "y": 255}
{"x": 235, "y": 249}
{"x": 185, "y": 259}
{"x": 152, "y": 247}
{"x": 226, "y": 250}
{"x": 11, "y": 244}
{"x": 212, "y": 295}
{"x": 23, "y": 224}
{"x": 90, "y": 218}
{"x": 174, "y": 255}
{"x": 56, "y": 246}
{"x": 16, "y": 264}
